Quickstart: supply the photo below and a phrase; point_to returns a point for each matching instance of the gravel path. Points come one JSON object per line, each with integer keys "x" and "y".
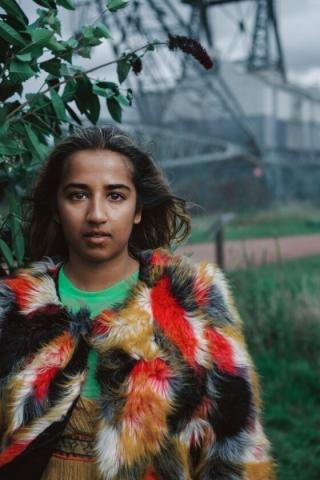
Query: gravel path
{"x": 238, "y": 253}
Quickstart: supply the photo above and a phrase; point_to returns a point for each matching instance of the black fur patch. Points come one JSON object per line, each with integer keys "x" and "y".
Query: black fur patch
{"x": 217, "y": 308}
{"x": 189, "y": 389}
{"x": 112, "y": 370}
{"x": 181, "y": 287}
{"x": 22, "y": 336}
{"x": 232, "y": 404}
{"x": 188, "y": 385}
{"x": 133, "y": 472}
{"x": 167, "y": 463}
{"x": 145, "y": 257}
{"x": 218, "y": 469}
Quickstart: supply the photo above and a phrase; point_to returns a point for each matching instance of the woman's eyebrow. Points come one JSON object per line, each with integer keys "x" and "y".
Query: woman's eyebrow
{"x": 74, "y": 185}
{"x": 117, "y": 185}
{"x": 84, "y": 186}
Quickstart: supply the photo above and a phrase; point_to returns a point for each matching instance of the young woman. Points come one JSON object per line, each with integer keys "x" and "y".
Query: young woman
{"x": 118, "y": 359}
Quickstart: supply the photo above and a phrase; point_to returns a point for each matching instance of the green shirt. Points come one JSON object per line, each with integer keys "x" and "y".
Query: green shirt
{"x": 73, "y": 299}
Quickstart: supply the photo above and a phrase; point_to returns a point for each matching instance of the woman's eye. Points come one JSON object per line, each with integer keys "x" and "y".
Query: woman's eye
{"x": 76, "y": 195}
{"x": 116, "y": 196}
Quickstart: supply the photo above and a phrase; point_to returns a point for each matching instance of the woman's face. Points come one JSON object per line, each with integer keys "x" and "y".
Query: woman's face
{"x": 96, "y": 205}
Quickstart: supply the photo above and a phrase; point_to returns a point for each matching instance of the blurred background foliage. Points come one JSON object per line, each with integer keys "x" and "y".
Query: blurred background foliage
{"x": 280, "y": 307}
{"x": 67, "y": 96}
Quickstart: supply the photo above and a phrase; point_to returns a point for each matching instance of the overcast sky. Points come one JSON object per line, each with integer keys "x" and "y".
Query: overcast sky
{"x": 299, "y": 23}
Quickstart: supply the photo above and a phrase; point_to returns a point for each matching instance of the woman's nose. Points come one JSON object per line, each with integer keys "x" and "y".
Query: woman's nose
{"x": 97, "y": 211}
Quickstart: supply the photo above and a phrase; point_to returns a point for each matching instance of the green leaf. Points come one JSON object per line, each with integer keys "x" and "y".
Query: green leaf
{"x": 103, "y": 84}
{"x": 20, "y": 71}
{"x": 41, "y": 37}
{"x": 114, "y": 109}
{"x": 13, "y": 9}
{"x": 6, "y": 252}
{"x": 130, "y": 95}
{"x": 9, "y": 88}
{"x": 101, "y": 30}
{"x": 84, "y": 52}
{"x": 48, "y": 18}
{"x": 114, "y": 5}
{"x": 68, "y": 4}
{"x": 123, "y": 68}
{"x": 52, "y": 66}
{"x": 11, "y": 147}
{"x": 55, "y": 46}
{"x": 73, "y": 115}
{"x": 37, "y": 147}
{"x": 14, "y": 206}
{"x": 69, "y": 70}
{"x": 69, "y": 90}
{"x": 102, "y": 92}
{"x": 46, "y": 3}
{"x": 123, "y": 100}
{"x": 10, "y": 34}
{"x": 87, "y": 31}
{"x": 70, "y": 43}
{"x": 17, "y": 237}
{"x": 58, "y": 106}
{"x": 25, "y": 57}
{"x": 4, "y": 124}
{"x": 93, "y": 109}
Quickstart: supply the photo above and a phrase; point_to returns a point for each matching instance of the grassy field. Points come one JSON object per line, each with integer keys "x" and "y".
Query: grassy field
{"x": 291, "y": 220}
{"x": 280, "y": 307}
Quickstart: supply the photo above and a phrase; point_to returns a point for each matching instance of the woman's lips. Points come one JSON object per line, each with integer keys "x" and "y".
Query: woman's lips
{"x": 96, "y": 239}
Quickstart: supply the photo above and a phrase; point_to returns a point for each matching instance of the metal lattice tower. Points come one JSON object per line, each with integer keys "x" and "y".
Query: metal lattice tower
{"x": 266, "y": 27}
{"x": 173, "y": 83}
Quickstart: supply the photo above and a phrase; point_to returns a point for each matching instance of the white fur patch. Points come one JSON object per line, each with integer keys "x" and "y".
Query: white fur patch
{"x": 108, "y": 451}
{"x": 41, "y": 295}
{"x": 144, "y": 300}
{"x": 25, "y": 380}
{"x": 202, "y": 351}
{"x": 241, "y": 356}
{"x": 195, "y": 431}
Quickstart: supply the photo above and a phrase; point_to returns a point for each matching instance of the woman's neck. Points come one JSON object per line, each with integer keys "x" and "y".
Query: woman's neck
{"x": 92, "y": 276}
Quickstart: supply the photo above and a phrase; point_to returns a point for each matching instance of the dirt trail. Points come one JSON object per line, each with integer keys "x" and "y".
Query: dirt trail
{"x": 257, "y": 250}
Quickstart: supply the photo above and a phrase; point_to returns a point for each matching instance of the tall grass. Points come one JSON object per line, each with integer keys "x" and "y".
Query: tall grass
{"x": 280, "y": 307}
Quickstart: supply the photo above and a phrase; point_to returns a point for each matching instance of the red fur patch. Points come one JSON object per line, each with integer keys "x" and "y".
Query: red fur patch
{"x": 170, "y": 316}
{"x": 49, "y": 309}
{"x": 100, "y": 324}
{"x": 156, "y": 370}
{"x": 12, "y": 452}
{"x": 160, "y": 259}
{"x": 54, "y": 271}
{"x": 43, "y": 381}
{"x": 200, "y": 292}
{"x": 53, "y": 360}
{"x": 221, "y": 351}
{"x": 150, "y": 474}
{"x": 21, "y": 287}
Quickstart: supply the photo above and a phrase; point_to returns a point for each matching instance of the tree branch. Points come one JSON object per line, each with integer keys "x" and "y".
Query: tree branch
{"x": 79, "y": 74}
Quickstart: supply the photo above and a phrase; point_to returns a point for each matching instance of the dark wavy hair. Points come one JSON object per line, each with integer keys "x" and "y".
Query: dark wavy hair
{"x": 165, "y": 218}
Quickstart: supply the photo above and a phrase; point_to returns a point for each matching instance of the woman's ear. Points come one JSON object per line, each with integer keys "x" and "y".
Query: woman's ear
{"x": 137, "y": 217}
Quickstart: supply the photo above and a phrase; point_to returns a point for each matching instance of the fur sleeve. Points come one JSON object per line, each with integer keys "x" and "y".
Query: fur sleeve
{"x": 237, "y": 447}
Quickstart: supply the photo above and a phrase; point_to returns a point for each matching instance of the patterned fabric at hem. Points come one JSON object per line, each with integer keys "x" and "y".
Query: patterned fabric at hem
{"x": 74, "y": 456}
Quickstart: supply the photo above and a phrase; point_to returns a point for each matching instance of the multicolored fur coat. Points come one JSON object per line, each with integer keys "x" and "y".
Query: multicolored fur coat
{"x": 180, "y": 397}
